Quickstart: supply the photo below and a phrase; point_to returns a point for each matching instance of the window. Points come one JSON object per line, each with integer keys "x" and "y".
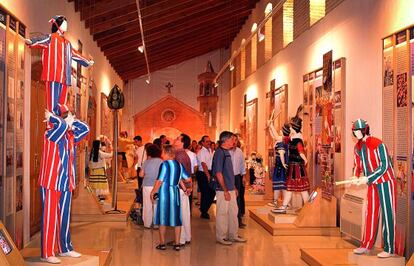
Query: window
{"x": 287, "y": 22}
{"x": 317, "y": 10}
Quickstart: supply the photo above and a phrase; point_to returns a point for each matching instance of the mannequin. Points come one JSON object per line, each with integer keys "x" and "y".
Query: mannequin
{"x": 57, "y": 60}
{"x": 372, "y": 160}
{"x": 57, "y": 182}
{"x": 297, "y": 180}
{"x": 279, "y": 174}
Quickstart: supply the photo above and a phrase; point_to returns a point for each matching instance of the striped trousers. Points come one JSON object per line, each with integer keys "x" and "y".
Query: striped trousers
{"x": 380, "y": 195}
{"x": 55, "y": 94}
{"x": 55, "y": 222}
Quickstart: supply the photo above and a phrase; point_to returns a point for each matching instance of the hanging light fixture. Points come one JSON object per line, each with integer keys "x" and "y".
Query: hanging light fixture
{"x": 260, "y": 35}
{"x": 216, "y": 85}
{"x": 231, "y": 67}
{"x": 142, "y": 47}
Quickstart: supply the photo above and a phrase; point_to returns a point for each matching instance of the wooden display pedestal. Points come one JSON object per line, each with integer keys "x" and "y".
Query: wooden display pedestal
{"x": 90, "y": 257}
{"x": 345, "y": 256}
{"x": 316, "y": 218}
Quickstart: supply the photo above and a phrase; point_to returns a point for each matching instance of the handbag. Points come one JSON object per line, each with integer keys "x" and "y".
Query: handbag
{"x": 214, "y": 184}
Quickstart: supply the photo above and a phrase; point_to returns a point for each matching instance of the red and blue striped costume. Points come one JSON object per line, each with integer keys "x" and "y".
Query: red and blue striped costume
{"x": 57, "y": 181}
{"x": 57, "y": 60}
{"x": 372, "y": 160}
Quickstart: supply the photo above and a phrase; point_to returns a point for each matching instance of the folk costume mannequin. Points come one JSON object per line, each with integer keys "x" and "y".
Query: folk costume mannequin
{"x": 57, "y": 60}
{"x": 57, "y": 182}
{"x": 281, "y": 165}
{"x": 297, "y": 179}
{"x": 372, "y": 161}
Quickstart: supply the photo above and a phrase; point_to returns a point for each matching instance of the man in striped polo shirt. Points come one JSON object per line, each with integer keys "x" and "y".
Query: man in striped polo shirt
{"x": 373, "y": 162}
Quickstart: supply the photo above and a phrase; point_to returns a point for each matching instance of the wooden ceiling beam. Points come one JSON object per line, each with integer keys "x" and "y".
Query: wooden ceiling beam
{"x": 161, "y": 54}
{"x": 105, "y": 7}
{"x": 154, "y": 40}
{"x": 179, "y": 11}
{"x": 228, "y": 16}
{"x": 209, "y": 36}
{"x": 115, "y": 14}
{"x": 138, "y": 71}
{"x": 117, "y": 32}
{"x": 165, "y": 6}
{"x": 117, "y": 21}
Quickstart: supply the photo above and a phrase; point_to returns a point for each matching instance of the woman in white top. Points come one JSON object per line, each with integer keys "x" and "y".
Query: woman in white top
{"x": 149, "y": 172}
{"x": 97, "y": 165}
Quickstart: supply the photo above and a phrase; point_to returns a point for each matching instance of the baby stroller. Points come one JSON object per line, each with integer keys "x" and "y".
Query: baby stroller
{"x": 136, "y": 210}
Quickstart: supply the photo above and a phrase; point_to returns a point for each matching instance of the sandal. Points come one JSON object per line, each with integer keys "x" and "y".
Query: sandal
{"x": 177, "y": 247}
{"x": 161, "y": 247}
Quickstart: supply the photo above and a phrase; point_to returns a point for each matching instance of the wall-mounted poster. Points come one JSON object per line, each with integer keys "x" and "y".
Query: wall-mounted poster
{"x": 106, "y": 118}
{"x": 251, "y": 127}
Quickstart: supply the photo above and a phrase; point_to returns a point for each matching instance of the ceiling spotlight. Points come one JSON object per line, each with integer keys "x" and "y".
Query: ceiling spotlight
{"x": 148, "y": 80}
{"x": 231, "y": 67}
{"x": 141, "y": 48}
{"x": 261, "y": 36}
{"x": 216, "y": 85}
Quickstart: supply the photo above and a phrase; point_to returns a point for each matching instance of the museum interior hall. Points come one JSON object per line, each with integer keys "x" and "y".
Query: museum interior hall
{"x": 206, "y": 132}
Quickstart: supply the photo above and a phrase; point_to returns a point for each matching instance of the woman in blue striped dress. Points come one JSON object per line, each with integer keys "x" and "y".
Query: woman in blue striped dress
{"x": 170, "y": 177}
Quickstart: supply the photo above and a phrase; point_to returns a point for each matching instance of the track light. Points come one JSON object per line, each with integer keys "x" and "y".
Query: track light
{"x": 216, "y": 85}
{"x": 231, "y": 67}
{"x": 141, "y": 48}
{"x": 148, "y": 80}
{"x": 261, "y": 36}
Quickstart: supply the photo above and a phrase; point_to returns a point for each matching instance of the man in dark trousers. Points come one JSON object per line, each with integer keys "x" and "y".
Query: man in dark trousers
{"x": 205, "y": 158}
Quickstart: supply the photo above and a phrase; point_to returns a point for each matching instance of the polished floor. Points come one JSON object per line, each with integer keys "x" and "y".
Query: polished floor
{"x": 132, "y": 245}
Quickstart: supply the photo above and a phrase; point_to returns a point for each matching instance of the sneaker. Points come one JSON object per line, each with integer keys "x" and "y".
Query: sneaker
{"x": 238, "y": 239}
{"x": 281, "y": 209}
{"x": 224, "y": 242}
{"x": 384, "y": 254}
{"x": 361, "y": 251}
{"x": 71, "y": 254}
{"x": 52, "y": 260}
{"x": 272, "y": 204}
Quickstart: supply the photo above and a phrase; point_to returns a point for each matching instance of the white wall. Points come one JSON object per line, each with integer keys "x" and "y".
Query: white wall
{"x": 353, "y": 30}
{"x": 35, "y": 14}
{"x": 183, "y": 76}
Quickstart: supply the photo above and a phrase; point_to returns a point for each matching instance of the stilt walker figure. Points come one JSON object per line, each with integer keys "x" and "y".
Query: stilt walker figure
{"x": 372, "y": 161}
{"x": 57, "y": 174}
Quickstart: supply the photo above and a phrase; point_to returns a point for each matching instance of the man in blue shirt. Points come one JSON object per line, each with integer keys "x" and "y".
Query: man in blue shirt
{"x": 226, "y": 217}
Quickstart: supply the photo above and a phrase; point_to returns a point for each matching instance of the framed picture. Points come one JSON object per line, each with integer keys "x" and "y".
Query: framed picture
{"x": 251, "y": 126}
{"x": 106, "y": 118}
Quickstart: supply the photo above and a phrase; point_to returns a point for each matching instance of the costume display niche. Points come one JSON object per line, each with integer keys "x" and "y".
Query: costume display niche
{"x": 372, "y": 161}
{"x": 63, "y": 132}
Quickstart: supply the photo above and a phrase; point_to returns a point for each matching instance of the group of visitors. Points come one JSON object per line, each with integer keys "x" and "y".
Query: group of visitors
{"x": 167, "y": 171}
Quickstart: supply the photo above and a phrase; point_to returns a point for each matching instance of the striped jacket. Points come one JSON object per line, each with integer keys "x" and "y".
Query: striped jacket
{"x": 57, "y": 171}
{"x": 371, "y": 158}
{"x": 57, "y": 58}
